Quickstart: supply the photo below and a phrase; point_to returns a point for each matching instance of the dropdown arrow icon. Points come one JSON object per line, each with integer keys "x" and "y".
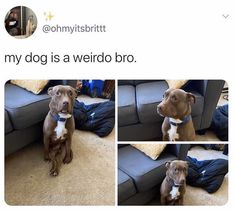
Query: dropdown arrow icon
{"x": 225, "y": 15}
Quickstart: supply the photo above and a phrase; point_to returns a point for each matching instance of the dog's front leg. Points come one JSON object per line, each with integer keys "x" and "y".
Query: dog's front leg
{"x": 69, "y": 154}
{"x": 163, "y": 200}
{"x": 165, "y": 137}
{"x": 46, "y": 141}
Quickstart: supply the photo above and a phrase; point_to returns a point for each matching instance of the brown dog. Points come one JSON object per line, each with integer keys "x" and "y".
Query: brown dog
{"x": 174, "y": 184}
{"x": 176, "y": 108}
{"x": 59, "y": 126}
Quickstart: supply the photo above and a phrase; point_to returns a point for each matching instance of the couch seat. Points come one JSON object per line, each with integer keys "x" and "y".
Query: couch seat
{"x": 126, "y": 187}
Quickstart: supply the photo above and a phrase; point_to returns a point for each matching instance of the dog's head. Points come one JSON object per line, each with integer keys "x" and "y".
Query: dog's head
{"x": 176, "y": 104}
{"x": 177, "y": 170}
{"x": 62, "y": 99}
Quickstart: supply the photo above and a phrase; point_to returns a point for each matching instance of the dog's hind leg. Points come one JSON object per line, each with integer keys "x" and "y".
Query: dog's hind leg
{"x": 180, "y": 201}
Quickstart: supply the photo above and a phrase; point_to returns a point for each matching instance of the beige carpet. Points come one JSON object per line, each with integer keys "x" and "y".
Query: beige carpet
{"x": 198, "y": 196}
{"x": 88, "y": 180}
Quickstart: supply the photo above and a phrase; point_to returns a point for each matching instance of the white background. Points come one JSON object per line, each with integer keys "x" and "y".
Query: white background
{"x": 171, "y": 39}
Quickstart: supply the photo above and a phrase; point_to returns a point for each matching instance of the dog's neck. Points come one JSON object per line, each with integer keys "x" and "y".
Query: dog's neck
{"x": 60, "y": 117}
{"x": 174, "y": 124}
{"x": 179, "y": 122}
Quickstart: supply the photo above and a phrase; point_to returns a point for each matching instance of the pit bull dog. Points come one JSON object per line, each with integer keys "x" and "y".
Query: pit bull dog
{"x": 176, "y": 108}
{"x": 174, "y": 184}
{"x": 59, "y": 126}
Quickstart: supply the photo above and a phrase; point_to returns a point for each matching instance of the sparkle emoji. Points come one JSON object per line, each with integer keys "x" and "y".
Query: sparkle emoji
{"x": 48, "y": 16}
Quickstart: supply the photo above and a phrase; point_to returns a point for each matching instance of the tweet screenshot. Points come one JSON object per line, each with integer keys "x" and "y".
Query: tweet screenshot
{"x": 108, "y": 104}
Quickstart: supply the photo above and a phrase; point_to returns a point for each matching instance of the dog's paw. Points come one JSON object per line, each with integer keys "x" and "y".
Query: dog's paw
{"x": 54, "y": 172}
{"x": 47, "y": 159}
{"x": 68, "y": 158}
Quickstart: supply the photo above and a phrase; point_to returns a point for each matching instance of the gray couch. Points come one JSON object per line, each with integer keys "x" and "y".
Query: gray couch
{"x": 140, "y": 177}
{"x": 24, "y": 114}
{"x": 137, "y": 106}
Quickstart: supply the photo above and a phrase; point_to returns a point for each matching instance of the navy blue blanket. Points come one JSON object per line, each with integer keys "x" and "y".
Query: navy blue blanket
{"x": 98, "y": 118}
{"x": 207, "y": 174}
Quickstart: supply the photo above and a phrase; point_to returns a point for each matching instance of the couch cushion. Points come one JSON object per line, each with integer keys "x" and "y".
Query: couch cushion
{"x": 148, "y": 96}
{"x": 35, "y": 86}
{"x": 126, "y": 105}
{"x": 126, "y": 187}
{"x": 145, "y": 172}
{"x": 153, "y": 150}
{"x": 25, "y": 108}
{"x": 8, "y": 125}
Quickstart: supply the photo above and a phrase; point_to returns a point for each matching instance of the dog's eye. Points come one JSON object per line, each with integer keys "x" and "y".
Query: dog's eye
{"x": 70, "y": 93}
{"x": 174, "y": 98}
{"x": 176, "y": 170}
{"x": 57, "y": 93}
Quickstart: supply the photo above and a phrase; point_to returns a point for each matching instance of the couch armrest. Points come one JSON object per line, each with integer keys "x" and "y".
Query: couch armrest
{"x": 211, "y": 91}
{"x": 211, "y": 97}
{"x": 179, "y": 150}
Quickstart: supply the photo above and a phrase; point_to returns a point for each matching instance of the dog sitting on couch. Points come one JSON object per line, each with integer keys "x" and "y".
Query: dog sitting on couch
{"x": 59, "y": 126}
{"x": 174, "y": 185}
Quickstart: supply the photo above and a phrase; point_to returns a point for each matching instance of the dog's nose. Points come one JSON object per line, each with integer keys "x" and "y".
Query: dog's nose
{"x": 159, "y": 108}
{"x": 65, "y": 103}
{"x": 182, "y": 181}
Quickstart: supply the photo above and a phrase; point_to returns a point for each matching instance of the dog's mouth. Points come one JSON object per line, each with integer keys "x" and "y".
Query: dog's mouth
{"x": 159, "y": 112}
{"x": 178, "y": 184}
{"x": 65, "y": 111}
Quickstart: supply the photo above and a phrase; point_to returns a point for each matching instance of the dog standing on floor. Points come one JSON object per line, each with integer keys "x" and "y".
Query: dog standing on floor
{"x": 174, "y": 184}
{"x": 176, "y": 108}
{"x": 59, "y": 126}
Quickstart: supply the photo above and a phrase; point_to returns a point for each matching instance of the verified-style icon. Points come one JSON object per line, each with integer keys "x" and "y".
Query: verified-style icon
{"x": 48, "y": 16}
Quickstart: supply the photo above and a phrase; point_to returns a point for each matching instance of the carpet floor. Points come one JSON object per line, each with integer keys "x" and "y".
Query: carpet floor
{"x": 88, "y": 180}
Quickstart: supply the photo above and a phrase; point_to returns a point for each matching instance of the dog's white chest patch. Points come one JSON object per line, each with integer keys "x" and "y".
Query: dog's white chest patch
{"x": 172, "y": 132}
{"x": 174, "y": 192}
{"x": 60, "y": 129}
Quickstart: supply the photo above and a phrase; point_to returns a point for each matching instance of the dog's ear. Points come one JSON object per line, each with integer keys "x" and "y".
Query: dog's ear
{"x": 50, "y": 91}
{"x": 186, "y": 164}
{"x": 167, "y": 92}
{"x": 167, "y": 164}
{"x": 74, "y": 92}
{"x": 190, "y": 97}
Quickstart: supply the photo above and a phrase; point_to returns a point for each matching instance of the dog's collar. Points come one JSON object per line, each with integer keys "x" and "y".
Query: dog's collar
{"x": 60, "y": 117}
{"x": 180, "y": 122}
{"x": 176, "y": 185}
